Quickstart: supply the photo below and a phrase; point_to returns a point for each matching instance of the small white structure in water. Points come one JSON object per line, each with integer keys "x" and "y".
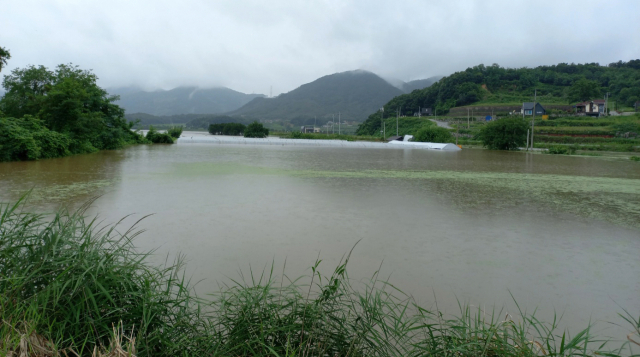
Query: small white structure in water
{"x": 419, "y": 145}
{"x": 237, "y": 140}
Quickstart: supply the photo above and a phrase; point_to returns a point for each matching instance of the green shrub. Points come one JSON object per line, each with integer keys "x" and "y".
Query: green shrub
{"x": 175, "y": 131}
{"x": 256, "y": 130}
{"x": 158, "y": 138}
{"x": 434, "y": 134}
{"x": 634, "y": 158}
{"x": 72, "y": 282}
{"x": 28, "y": 139}
{"x": 503, "y": 134}
{"x": 227, "y": 129}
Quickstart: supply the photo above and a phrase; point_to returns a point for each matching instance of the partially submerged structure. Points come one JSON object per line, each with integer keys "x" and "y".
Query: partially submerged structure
{"x": 236, "y": 140}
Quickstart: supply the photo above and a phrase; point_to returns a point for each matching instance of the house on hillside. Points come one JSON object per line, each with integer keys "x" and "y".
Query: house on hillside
{"x": 309, "y": 129}
{"x": 527, "y": 109}
{"x": 591, "y": 107}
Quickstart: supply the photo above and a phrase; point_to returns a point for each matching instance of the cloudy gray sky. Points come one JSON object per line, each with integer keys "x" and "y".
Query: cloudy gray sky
{"x": 250, "y": 45}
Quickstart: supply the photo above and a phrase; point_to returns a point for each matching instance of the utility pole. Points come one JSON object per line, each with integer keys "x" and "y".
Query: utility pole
{"x": 339, "y": 123}
{"x": 397, "y": 116}
{"x": 381, "y": 119}
{"x": 467, "y": 118}
{"x": 333, "y": 123}
{"x": 314, "y": 123}
{"x": 533, "y": 121}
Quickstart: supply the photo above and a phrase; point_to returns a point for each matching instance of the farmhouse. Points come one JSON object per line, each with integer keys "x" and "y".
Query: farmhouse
{"x": 527, "y": 109}
{"x": 591, "y": 107}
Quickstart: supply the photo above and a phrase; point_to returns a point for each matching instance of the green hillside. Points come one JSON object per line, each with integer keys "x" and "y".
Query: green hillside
{"x": 560, "y": 84}
{"x": 182, "y": 100}
{"x": 354, "y": 94}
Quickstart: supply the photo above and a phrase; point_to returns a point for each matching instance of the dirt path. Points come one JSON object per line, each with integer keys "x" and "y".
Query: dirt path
{"x": 442, "y": 124}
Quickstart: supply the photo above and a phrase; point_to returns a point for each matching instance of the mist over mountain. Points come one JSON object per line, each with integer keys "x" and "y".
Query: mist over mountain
{"x": 353, "y": 94}
{"x": 410, "y": 86}
{"x": 181, "y": 100}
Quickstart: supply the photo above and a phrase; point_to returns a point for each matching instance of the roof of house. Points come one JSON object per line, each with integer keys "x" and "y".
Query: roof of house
{"x": 529, "y": 105}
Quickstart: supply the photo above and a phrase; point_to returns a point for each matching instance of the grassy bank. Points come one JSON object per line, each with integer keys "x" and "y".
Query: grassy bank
{"x": 67, "y": 282}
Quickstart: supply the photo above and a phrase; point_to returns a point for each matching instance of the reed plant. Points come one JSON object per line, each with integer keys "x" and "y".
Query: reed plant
{"x": 71, "y": 286}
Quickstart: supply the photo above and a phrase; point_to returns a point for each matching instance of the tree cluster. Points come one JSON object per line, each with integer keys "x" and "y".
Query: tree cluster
{"x": 256, "y": 130}
{"x": 227, "y": 129}
{"x": 433, "y": 134}
{"x": 504, "y": 134}
{"x": 55, "y": 113}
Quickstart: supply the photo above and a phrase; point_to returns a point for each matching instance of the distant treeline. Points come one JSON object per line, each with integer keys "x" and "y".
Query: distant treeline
{"x": 227, "y": 129}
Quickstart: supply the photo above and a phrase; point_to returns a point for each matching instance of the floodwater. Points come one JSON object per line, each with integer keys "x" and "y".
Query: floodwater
{"x": 558, "y": 233}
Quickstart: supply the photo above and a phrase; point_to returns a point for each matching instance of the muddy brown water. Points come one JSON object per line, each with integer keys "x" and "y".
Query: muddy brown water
{"x": 559, "y": 233}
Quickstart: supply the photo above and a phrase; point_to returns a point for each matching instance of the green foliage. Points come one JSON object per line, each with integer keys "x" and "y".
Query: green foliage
{"x": 227, "y": 129}
{"x": 175, "y": 131}
{"x": 28, "y": 139}
{"x": 72, "y": 282}
{"x": 434, "y": 134}
{"x": 69, "y": 103}
{"x": 5, "y": 56}
{"x": 584, "y": 89}
{"x": 203, "y": 121}
{"x": 504, "y": 134}
{"x": 256, "y": 130}
{"x": 158, "y": 138}
{"x": 634, "y": 158}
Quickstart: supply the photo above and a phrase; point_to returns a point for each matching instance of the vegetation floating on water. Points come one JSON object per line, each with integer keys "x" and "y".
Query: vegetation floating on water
{"x": 70, "y": 287}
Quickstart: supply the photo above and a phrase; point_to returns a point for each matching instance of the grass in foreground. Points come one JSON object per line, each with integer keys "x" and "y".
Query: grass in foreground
{"x": 69, "y": 287}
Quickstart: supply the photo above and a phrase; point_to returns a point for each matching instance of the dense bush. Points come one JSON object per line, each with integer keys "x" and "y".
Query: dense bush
{"x": 175, "y": 131}
{"x": 227, "y": 129}
{"x": 256, "y": 130}
{"x": 434, "y": 134}
{"x": 73, "y": 114}
{"x": 28, "y": 139}
{"x": 158, "y": 138}
{"x": 504, "y": 134}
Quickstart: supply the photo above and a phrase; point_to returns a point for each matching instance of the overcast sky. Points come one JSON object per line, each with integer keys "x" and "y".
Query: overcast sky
{"x": 251, "y": 45}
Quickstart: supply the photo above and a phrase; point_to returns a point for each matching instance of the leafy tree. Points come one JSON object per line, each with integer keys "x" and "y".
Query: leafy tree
{"x": 227, "y": 129}
{"x": 175, "y": 131}
{"x": 28, "y": 139}
{"x": 584, "y": 89}
{"x": 256, "y": 130}
{"x": 504, "y": 134}
{"x": 434, "y": 134}
{"x": 4, "y": 57}
{"x": 68, "y": 101}
{"x": 158, "y": 138}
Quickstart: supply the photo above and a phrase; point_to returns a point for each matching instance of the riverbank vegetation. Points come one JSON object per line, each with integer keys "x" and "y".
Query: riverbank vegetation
{"x": 70, "y": 285}
{"x": 51, "y": 113}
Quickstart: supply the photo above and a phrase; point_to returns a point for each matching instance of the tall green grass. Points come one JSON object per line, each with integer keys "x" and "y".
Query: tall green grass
{"x": 67, "y": 281}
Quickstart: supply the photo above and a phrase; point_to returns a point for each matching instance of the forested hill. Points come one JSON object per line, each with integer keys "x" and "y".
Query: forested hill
{"x": 182, "y": 100}
{"x": 354, "y": 94}
{"x": 558, "y": 84}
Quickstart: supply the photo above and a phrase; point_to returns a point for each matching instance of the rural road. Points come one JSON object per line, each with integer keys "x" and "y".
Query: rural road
{"x": 442, "y": 124}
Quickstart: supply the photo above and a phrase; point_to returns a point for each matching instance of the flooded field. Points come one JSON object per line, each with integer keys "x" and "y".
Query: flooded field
{"x": 558, "y": 233}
